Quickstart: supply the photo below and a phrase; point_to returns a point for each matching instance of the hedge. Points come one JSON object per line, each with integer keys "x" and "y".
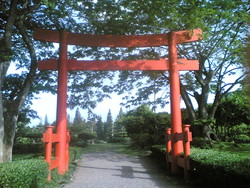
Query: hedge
{"x": 220, "y": 168}
{"x": 213, "y": 168}
{"x": 23, "y": 173}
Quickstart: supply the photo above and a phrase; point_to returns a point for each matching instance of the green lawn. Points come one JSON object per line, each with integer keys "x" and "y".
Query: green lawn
{"x": 238, "y": 149}
{"x": 120, "y": 148}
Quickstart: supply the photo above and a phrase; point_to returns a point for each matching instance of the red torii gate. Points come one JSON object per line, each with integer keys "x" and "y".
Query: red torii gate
{"x": 179, "y": 137}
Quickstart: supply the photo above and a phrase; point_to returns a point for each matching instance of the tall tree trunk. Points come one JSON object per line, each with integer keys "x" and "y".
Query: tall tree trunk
{"x": 6, "y": 46}
{"x": 11, "y": 116}
{"x": 188, "y": 103}
{"x": 1, "y": 125}
{"x": 14, "y": 107}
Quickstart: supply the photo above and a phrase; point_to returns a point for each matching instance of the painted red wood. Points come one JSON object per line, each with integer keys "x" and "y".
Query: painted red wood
{"x": 61, "y": 115}
{"x": 176, "y": 121}
{"x": 117, "y": 40}
{"x": 153, "y": 65}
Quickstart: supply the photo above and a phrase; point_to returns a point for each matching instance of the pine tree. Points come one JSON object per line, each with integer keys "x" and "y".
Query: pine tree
{"x": 91, "y": 123}
{"x": 46, "y": 122}
{"x": 78, "y": 118}
{"x": 100, "y": 129}
{"x": 121, "y": 113}
{"x": 109, "y": 127}
{"x": 69, "y": 122}
{"x": 119, "y": 129}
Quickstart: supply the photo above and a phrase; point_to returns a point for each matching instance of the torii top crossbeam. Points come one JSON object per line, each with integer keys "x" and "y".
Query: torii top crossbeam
{"x": 90, "y": 40}
{"x": 118, "y": 41}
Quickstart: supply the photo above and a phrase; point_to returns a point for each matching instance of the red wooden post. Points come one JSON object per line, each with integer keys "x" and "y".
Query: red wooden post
{"x": 67, "y": 147}
{"x": 168, "y": 140}
{"x": 177, "y": 147}
{"x": 168, "y": 146}
{"x": 47, "y": 138}
{"x": 61, "y": 123}
{"x": 187, "y": 137}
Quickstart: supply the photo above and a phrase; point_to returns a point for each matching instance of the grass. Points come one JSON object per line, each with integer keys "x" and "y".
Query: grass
{"x": 238, "y": 149}
{"x": 119, "y": 148}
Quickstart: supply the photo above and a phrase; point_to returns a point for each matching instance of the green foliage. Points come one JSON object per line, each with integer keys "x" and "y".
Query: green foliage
{"x": 100, "y": 129}
{"x": 20, "y": 148}
{"x": 203, "y": 128}
{"x": 109, "y": 127}
{"x": 242, "y": 138}
{"x": 224, "y": 25}
{"x": 80, "y": 131}
{"x": 221, "y": 169}
{"x": 233, "y": 116}
{"x": 202, "y": 143}
{"x": 234, "y": 110}
{"x": 23, "y": 173}
{"x": 56, "y": 179}
{"x": 78, "y": 121}
{"x": 28, "y": 139}
{"x": 144, "y": 127}
{"x": 86, "y": 136}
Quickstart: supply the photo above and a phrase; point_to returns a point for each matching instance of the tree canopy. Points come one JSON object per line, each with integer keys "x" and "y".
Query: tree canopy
{"x": 221, "y": 52}
{"x": 144, "y": 127}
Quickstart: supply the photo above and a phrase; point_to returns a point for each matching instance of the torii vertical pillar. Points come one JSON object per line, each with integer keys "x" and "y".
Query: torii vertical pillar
{"x": 176, "y": 120}
{"x": 61, "y": 123}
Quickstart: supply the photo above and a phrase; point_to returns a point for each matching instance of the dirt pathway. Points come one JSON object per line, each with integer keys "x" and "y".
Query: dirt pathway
{"x": 109, "y": 169}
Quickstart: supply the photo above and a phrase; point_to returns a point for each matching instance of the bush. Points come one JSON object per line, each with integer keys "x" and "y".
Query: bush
{"x": 220, "y": 169}
{"x": 23, "y": 173}
{"x": 86, "y": 135}
{"x": 202, "y": 143}
{"x": 21, "y": 148}
{"x": 242, "y": 138}
{"x": 75, "y": 153}
{"x": 144, "y": 127}
{"x": 80, "y": 143}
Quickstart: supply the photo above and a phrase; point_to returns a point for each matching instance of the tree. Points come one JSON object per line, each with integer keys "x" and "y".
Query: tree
{"x": 220, "y": 53}
{"x": 46, "y": 122}
{"x": 18, "y": 20}
{"x": 232, "y": 112}
{"x": 78, "y": 121}
{"x": 100, "y": 128}
{"x": 69, "y": 122}
{"x": 119, "y": 129}
{"x": 224, "y": 24}
{"x": 109, "y": 127}
{"x": 121, "y": 113}
{"x": 144, "y": 127}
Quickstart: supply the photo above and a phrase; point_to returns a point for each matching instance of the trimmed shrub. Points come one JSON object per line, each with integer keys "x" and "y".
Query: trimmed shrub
{"x": 23, "y": 173}
{"x": 220, "y": 169}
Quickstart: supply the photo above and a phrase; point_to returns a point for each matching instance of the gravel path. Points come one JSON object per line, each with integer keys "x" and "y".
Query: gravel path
{"x": 109, "y": 169}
